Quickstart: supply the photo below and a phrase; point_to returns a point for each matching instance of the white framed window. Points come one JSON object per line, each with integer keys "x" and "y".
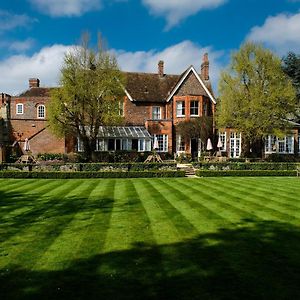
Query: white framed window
{"x": 19, "y": 109}
{"x": 180, "y": 108}
{"x": 101, "y": 145}
{"x": 162, "y": 142}
{"x": 194, "y": 108}
{"x": 222, "y": 136}
{"x": 282, "y": 145}
{"x": 235, "y": 144}
{"x": 80, "y": 147}
{"x": 41, "y": 110}
{"x": 156, "y": 112}
{"x": 180, "y": 144}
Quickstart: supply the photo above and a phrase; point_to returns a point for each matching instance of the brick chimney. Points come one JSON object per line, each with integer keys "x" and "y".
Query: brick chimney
{"x": 34, "y": 83}
{"x": 161, "y": 68}
{"x": 205, "y": 67}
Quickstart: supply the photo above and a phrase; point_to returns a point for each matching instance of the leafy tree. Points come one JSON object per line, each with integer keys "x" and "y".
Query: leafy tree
{"x": 291, "y": 66}
{"x": 256, "y": 97}
{"x": 91, "y": 88}
{"x": 198, "y": 128}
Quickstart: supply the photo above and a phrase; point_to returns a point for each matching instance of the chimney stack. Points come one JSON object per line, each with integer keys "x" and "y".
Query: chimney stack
{"x": 34, "y": 83}
{"x": 161, "y": 68}
{"x": 205, "y": 67}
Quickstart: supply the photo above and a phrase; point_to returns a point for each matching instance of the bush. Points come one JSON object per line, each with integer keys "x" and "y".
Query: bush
{"x": 245, "y": 166}
{"x": 214, "y": 173}
{"x": 73, "y": 175}
{"x": 274, "y": 157}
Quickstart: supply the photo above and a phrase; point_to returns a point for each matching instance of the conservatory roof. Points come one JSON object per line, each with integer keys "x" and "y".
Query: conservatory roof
{"x": 123, "y": 132}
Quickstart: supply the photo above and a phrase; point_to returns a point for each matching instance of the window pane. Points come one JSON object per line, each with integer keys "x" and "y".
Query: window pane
{"x": 194, "y": 109}
{"x": 19, "y": 109}
{"x": 180, "y": 108}
{"x": 156, "y": 115}
{"x": 41, "y": 111}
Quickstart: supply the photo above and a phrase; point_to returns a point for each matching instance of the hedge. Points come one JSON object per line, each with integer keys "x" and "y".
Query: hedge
{"x": 216, "y": 173}
{"x": 66, "y": 175}
{"x": 245, "y": 166}
{"x": 92, "y": 167}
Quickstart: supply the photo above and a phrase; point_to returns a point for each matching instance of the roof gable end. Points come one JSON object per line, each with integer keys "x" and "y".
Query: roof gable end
{"x": 183, "y": 78}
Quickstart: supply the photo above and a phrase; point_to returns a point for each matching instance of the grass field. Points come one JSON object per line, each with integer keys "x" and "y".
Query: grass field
{"x": 207, "y": 238}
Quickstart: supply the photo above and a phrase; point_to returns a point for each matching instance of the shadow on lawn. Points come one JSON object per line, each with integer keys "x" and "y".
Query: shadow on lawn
{"x": 256, "y": 260}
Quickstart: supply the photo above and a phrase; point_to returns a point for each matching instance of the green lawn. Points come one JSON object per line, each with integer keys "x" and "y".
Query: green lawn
{"x": 206, "y": 238}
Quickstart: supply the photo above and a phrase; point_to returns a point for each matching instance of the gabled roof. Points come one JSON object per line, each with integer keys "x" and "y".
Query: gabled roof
{"x": 149, "y": 87}
{"x": 184, "y": 76}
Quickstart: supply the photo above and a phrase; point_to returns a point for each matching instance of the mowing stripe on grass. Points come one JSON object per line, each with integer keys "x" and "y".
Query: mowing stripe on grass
{"x": 129, "y": 220}
{"x": 65, "y": 247}
{"x": 162, "y": 227}
{"x": 37, "y": 237}
{"x": 218, "y": 201}
{"x": 250, "y": 201}
{"x": 17, "y": 206}
{"x": 182, "y": 224}
{"x": 202, "y": 214}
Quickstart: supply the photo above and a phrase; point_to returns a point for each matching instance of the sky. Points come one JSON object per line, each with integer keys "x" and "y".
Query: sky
{"x": 35, "y": 34}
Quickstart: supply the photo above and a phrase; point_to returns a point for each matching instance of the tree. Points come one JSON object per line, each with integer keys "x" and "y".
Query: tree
{"x": 256, "y": 97}
{"x": 291, "y": 66}
{"x": 198, "y": 128}
{"x": 91, "y": 88}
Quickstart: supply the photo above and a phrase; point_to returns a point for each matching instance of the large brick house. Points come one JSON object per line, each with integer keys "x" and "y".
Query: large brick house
{"x": 155, "y": 103}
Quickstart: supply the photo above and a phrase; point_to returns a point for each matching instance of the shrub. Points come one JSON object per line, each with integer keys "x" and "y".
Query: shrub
{"x": 217, "y": 173}
{"x": 67, "y": 175}
{"x": 245, "y": 166}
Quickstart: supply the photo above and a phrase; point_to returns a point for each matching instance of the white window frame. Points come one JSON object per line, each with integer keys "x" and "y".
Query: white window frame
{"x": 156, "y": 115}
{"x": 194, "y": 108}
{"x": 20, "y": 105}
{"x": 162, "y": 141}
{"x": 41, "y": 106}
{"x": 80, "y": 147}
{"x": 284, "y": 145}
{"x": 180, "y": 108}
{"x": 222, "y": 136}
{"x": 235, "y": 144}
{"x": 180, "y": 144}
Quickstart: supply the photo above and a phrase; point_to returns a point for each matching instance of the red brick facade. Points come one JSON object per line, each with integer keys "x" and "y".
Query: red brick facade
{"x": 151, "y": 102}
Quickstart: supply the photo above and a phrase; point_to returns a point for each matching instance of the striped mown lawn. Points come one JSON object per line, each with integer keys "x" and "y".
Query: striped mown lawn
{"x": 206, "y": 238}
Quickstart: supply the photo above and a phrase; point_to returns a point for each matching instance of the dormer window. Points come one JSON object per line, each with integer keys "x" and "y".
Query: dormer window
{"x": 19, "y": 109}
{"x": 41, "y": 112}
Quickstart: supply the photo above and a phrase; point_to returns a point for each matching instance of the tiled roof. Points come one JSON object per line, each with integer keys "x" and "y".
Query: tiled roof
{"x": 144, "y": 87}
{"x": 36, "y": 92}
{"x": 149, "y": 87}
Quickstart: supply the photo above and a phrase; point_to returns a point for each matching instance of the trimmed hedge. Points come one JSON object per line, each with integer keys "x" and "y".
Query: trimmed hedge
{"x": 226, "y": 166}
{"x": 88, "y": 167}
{"x": 242, "y": 173}
{"x": 67, "y": 175}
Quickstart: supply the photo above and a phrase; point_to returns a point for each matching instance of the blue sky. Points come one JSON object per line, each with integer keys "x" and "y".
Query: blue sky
{"x": 35, "y": 34}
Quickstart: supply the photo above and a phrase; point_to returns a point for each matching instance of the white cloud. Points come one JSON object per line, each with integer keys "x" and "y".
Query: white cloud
{"x": 177, "y": 59}
{"x": 21, "y": 45}
{"x": 176, "y": 10}
{"x": 10, "y": 21}
{"x": 58, "y": 8}
{"x": 281, "y": 33}
{"x": 44, "y": 65}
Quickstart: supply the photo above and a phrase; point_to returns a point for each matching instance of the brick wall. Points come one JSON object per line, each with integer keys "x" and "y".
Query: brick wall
{"x": 30, "y": 105}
